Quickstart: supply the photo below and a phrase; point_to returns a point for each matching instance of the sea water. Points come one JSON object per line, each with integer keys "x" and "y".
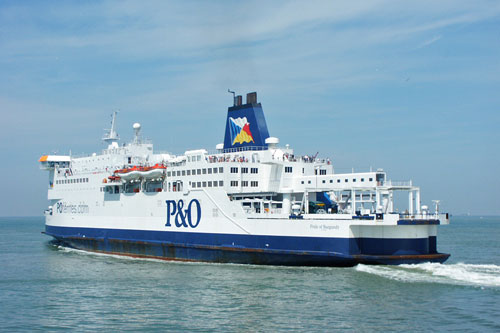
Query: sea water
{"x": 49, "y": 288}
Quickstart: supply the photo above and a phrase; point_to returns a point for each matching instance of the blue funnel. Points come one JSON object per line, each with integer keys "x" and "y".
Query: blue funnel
{"x": 246, "y": 125}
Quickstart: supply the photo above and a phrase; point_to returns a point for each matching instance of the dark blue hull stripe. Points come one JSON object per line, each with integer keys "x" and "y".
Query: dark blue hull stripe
{"x": 276, "y": 250}
{"x": 419, "y": 222}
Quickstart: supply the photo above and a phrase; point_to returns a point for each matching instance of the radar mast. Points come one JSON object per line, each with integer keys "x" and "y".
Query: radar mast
{"x": 111, "y": 137}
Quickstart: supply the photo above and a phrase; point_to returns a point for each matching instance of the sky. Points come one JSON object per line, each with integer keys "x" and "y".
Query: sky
{"x": 412, "y": 87}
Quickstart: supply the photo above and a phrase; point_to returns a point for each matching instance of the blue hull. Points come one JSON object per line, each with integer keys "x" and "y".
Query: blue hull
{"x": 247, "y": 249}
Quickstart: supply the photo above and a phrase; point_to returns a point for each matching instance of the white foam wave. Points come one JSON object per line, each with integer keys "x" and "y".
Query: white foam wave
{"x": 100, "y": 254}
{"x": 460, "y": 274}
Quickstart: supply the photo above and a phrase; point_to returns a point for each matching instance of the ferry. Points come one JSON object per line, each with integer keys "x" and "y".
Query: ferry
{"x": 248, "y": 201}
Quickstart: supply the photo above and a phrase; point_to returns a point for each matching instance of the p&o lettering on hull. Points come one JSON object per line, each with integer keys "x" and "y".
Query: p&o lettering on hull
{"x": 183, "y": 217}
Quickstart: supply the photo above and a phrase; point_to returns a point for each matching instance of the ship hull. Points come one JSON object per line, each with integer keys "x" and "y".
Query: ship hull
{"x": 250, "y": 249}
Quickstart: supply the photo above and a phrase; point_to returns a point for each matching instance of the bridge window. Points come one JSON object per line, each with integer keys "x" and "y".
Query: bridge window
{"x": 322, "y": 172}
{"x": 288, "y": 169}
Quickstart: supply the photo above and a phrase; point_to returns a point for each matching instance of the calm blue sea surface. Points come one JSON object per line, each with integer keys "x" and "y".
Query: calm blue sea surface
{"x": 49, "y": 288}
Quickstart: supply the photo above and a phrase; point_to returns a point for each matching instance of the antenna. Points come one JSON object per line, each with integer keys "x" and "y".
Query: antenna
{"x": 436, "y": 204}
{"x": 234, "y": 96}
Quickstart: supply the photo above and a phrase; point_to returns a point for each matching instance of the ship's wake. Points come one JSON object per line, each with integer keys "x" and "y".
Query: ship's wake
{"x": 459, "y": 274}
{"x": 66, "y": 249}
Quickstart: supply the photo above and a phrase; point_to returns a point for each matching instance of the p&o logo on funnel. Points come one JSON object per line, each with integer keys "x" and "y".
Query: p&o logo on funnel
{"x": 240, "y": 130}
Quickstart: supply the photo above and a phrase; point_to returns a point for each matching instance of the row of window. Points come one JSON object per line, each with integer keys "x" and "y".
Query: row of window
{"x": 208, "y": 171}
{"x": 338, "y": 180}
{"x": 72, "y": 181}
{"x": 244, "y": 183}
{"x": 209, "y": 183}
{"x": 194, "y": 158}
{"x": 193, "y": 172}
{"x": 244, "y": 170}
{"x": 289, "y": 169}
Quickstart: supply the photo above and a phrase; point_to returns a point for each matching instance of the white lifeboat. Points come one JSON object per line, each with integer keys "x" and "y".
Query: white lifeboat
{"x": 156, "y": 171}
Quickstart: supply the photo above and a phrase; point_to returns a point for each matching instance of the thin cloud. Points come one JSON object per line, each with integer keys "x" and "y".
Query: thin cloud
{"x": 173, "y": 29}
{"x": 429, "y": 41}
